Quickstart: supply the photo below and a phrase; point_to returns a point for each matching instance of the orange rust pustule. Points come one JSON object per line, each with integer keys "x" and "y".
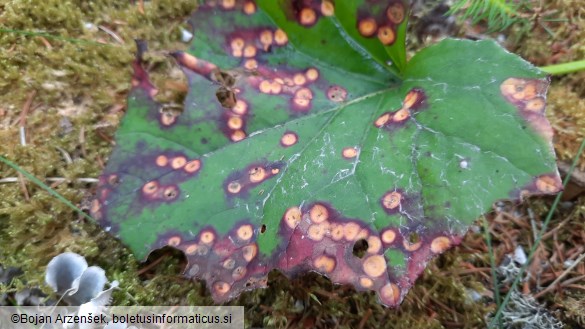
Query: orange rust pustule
{"x": 367, "y": 27}
{"x": 391, "y": 202}
{"x": 289, "y": 138}
{"x": 386, "y": 35}
{"x": 240, "y": 182}
{"x": 415, "y": 99}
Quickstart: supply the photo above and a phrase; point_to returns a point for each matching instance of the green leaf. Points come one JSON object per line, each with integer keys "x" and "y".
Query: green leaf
{"x": 290, "y": 156}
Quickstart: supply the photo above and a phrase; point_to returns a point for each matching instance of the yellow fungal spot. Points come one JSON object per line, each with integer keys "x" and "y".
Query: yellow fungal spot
{"x": 535, "y": 105}
{"x": 391, "y": 200}
{"x": 529, "y": 91}
{"x": 509, "y": 86}
{"x": 327, "y": 8}
{"x": 401, "y": 115}
{"x": 395, "y": 13}
{"x": 191, "y": 249}
{"x": 366, "y": 282}
{"x": 167, "y": 118}
{"x": 289, "y": 139}
{"x": 410, "y": 98}
{"x": 303, "y": 97}
{"x": 374, "y": 244}
{"x": 207, "y": 237}
{"x": 299, "y": 79}
{"x": 234, "y": 187}
{"x": 349, "y": 152}
{"x": 237, "y": 53}
{"x": 350, "y": 231}
{"x": 229, "y": 263}
{"x": 374, "y": 266}
{"x": 265, "y": 86}
{"x": 336, "y": 231}
{"x": 307, "y": 16}
{"x": 367, "y": 27}
{"x": 390, "y": 293}
{"x": 178, "y": 162}
{"x": 548, "y": 184}
{"x": 245, "y": 232}
{"x": 280, "y": 37}
{"x": 174, "y": 241}
{"x": 388, "y": 236}
{"x": 238, "y": 135}
{"x": 221, "y": 288}
{"x": 266, "y": 38}
{"x": 440, "y": 244}
{"x": 249, "y": 252}
{"x": 251, "y": 64}
{"x": 275, "y": 87}
{"x": 249, "y": 7}
{"x": 249, "y": 51}
{"x": 316, "y": 232}
{"x": 382, "y": 120}
{"x": 275, "y": 171}
{"x": 150, "y": 187}
{"x": 324, "y": 263}
{"x": 257, "y": 174}
{"x": 235, "y": 123}
{"x": 312, "y": 74}
{"x": 414, "y": 246}
{"x": 192, "y": 166}
{"x": 386, "y": 35}
{"x": 362, "y": 235}
{"x": 237, "y": 44}
{"x": 239, "y": 273}
{"x": 162, "y": 160}
{"x": 228, "y": 4}
{"x": 170, "y": 192}
{"x": 292, "y": 217}
{"x": 240, "y": 108}
{"x": 318, "y": 214}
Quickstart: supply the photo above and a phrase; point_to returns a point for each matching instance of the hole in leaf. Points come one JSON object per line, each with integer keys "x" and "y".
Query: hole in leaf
{"x": 360, "y": 247}
{"x": 263, "y": 229}
{"x": 164, "y": 261}
{"x": 413, "y": 238}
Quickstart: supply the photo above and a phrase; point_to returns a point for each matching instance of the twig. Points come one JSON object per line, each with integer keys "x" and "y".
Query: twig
{"x": 52, "y": 179}
{"x": 111, "y": 33}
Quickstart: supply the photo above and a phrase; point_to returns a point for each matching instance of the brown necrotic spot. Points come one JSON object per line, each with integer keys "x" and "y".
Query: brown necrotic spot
{"x": 292, "y": 217}
{"x": 324, "y": 263}
{"x": 161, "y": 160}
{"x": 239, "y": 273}
{"x": 150, "y": 188}
{"x": 535, "y": 105}
{"x": 289, "y": 139}
{"x": 316, "y": 232}
{"x": 374, "y": 244}
{"x": 307, "y": 16}
{"x": 350, "y": 231}
{"x": 327, "y": 8}
{"x": 382, "y": 120}
{"x": 388, "y": 236}
{"x": 249, "y": 252}
{"x": 336, "y": 94}
{"x": 302, "y": 98}
{"x": 440, "y": 244}
{"x": 240, "y": 108}
{"x": 349, "y": 152}
{"x": 367, "y": 27}
{"x": 548, "y": 184}
{"x": 221, "y": 288}
{"x": 318, "y": 213}
{"x": 192, "y": 166}
{"x": 249, "y": 7}
{"x": 245, "y": 232}
{"x": 237, "y": 135}
{"x": 312, "y": 74}
{"x": 391, "y": 201}
{"x": 280, "y": 37}
{"x": 234, "y": 187}
{"x": 257, "y": 174}
{"x": 174, "y": 241}
{"x": 366, "y": 282}
{"x": 395, "y": 13}
{"x": 386, "y": 35}
{"x": 390, "y": 294}
{"x": 178, "y": 162}
{"x": 207, "y": 237}
{"x": 374, "y": 266}
{"x": 170, "y": 192}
